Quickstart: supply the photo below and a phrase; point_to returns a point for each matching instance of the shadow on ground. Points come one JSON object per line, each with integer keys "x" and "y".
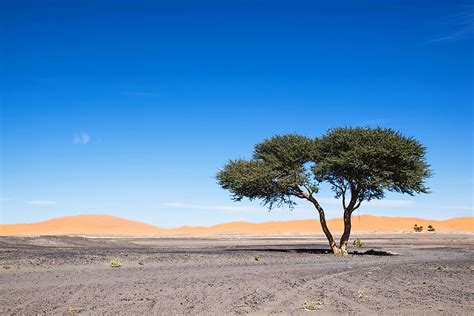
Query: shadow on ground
{"x": 323, "y": 251}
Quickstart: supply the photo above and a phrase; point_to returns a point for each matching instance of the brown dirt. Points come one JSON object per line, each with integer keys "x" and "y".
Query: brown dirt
{"x": 59, "y": 275}
{"x": 106, "y": 225}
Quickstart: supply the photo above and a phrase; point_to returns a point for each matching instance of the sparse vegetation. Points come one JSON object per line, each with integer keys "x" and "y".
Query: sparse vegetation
{"x": 360, "y": 293}
{"x": 71, "y": 310}
{"x": 5, "y": 266}
{"x": 115, "y": 263}
{"x": 377, "y": 269}
{"x": 418, "y": 229}
{"x": 442, "y": 267}
{"x": 358, "y": 243}
{"x": 431, "y": 228}
{"x": 257, "y": 257}
{"x": 312, "y": 306}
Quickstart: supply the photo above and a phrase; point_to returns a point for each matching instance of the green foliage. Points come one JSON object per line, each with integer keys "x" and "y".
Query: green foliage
{"x": 115, "y": 263}
{"x": 431, "y": 228}
{"x": 362, "y": 162}
{"x": 417, "y": 228}
{"x": 257, "y": 257}
{"x": 358, "y": 243}
{"x": 361, "y": 293}
{"x": 442, "y": 267}
{"x": 275, "y": 172}
{"x": 370, "y": 161}
{"x": 312, "y": 306}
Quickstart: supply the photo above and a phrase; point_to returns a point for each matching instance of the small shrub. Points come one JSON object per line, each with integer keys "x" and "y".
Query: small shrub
{"x": 377, "y": 269}
{"x": 257, "y": 257}
{"x": 115, "y": 263}
{"x": 358, "y": 243}
{"x": 312, "y": 306}
{"x": 6, "y": 266}
{"x": 431, "y": 228}
{"x": 360, "y": 293}
{"x": 442, "y": 267}
{"x": 417, "y": 228}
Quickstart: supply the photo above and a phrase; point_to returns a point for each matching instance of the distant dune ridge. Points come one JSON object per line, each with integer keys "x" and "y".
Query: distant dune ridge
{"x": 107, "y": 225}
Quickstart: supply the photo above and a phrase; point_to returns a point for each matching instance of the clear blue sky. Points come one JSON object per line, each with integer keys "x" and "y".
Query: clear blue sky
{"x": 129, "y": 108}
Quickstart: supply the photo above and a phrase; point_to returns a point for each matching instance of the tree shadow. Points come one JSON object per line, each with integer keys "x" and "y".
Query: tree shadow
{"x": 319, "y": 251}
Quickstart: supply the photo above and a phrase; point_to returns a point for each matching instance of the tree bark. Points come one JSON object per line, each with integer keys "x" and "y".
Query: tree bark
{"x": 322, "y": 220}
{"x": 347, "y": 231}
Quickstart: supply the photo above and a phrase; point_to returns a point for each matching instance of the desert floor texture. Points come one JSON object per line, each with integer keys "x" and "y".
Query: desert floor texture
{"x": 71, "y": 275}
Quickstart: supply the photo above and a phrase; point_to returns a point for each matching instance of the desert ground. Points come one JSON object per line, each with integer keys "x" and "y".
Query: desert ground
{"x": 433, "y": 274}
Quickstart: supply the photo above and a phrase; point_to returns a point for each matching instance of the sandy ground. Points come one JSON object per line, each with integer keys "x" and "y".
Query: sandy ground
{"x": 59, "y": 275}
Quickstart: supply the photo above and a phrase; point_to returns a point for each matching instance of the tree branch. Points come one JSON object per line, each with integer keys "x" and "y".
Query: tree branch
{"x": 356, "y": 206}
{"x": 354, "y": 197}
{"x": 310, "y": 192}
{"x": 302, "y": 194}
{"x": 343, "y": 190}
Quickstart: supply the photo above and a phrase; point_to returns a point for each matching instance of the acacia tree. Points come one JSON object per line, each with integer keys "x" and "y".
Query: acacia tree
{"x": 359, "y": 164}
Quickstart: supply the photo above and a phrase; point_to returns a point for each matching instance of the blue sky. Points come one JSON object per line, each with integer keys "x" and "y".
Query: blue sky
{"x": 129, "y": 108}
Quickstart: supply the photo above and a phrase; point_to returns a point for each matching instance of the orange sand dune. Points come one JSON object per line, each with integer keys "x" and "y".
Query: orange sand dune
{"x": 364, "y": 223}
{"x": 97, "y": 225}
{"x": 106, "y": 225}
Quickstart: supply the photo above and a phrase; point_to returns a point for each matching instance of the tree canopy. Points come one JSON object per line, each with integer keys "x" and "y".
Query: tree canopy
{"x": 360, "y": 164}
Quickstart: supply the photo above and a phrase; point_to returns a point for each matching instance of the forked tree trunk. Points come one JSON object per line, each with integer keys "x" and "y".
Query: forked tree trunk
{"x": 347, "y": 232}
{"x": 328, "y": 234}
{"x": 342, "y": 249}
{"x": 324, "y": 226}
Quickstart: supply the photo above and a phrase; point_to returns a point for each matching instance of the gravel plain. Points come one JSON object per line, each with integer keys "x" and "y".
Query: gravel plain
{"x": 433, "y": 274}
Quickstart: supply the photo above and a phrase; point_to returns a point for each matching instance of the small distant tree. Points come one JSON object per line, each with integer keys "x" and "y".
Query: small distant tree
{"x": 431, "y": 228}
{"x": 417, "y": 228}
{"x": 360, "y": 164}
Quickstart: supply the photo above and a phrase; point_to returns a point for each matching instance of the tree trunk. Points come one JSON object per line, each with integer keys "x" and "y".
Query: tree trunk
{"x": 322, "y": 220}
{"x": 347, "y": 232}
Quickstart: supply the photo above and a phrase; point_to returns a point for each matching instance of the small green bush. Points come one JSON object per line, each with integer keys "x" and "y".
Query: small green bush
{"x": 358, "y": 243}
{"x": 361, "y": 293}
{"x": 115, "y": 263}
{"x": 312, "y": 306}
{"x": 257, "y": 257}
{"x": 442, "y": 267}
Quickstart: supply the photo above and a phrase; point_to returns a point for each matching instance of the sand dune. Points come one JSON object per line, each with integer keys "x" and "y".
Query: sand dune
{"x": 106, "y": 225}
{"x": 97, "y": 225}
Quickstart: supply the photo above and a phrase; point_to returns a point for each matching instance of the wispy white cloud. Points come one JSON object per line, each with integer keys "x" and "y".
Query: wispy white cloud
{"x": 458, "y": 26}
{"x": 41, "y": 202}
{"x": 215, "y": 207}
{"x": 327, "y": 203}
{"x": 390, "y": 203}
{"x": 304, "y": 210}
{"x": 459, "y": 207}
{"x": 81, "y": 138}
{"x": 374, "y": 203}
